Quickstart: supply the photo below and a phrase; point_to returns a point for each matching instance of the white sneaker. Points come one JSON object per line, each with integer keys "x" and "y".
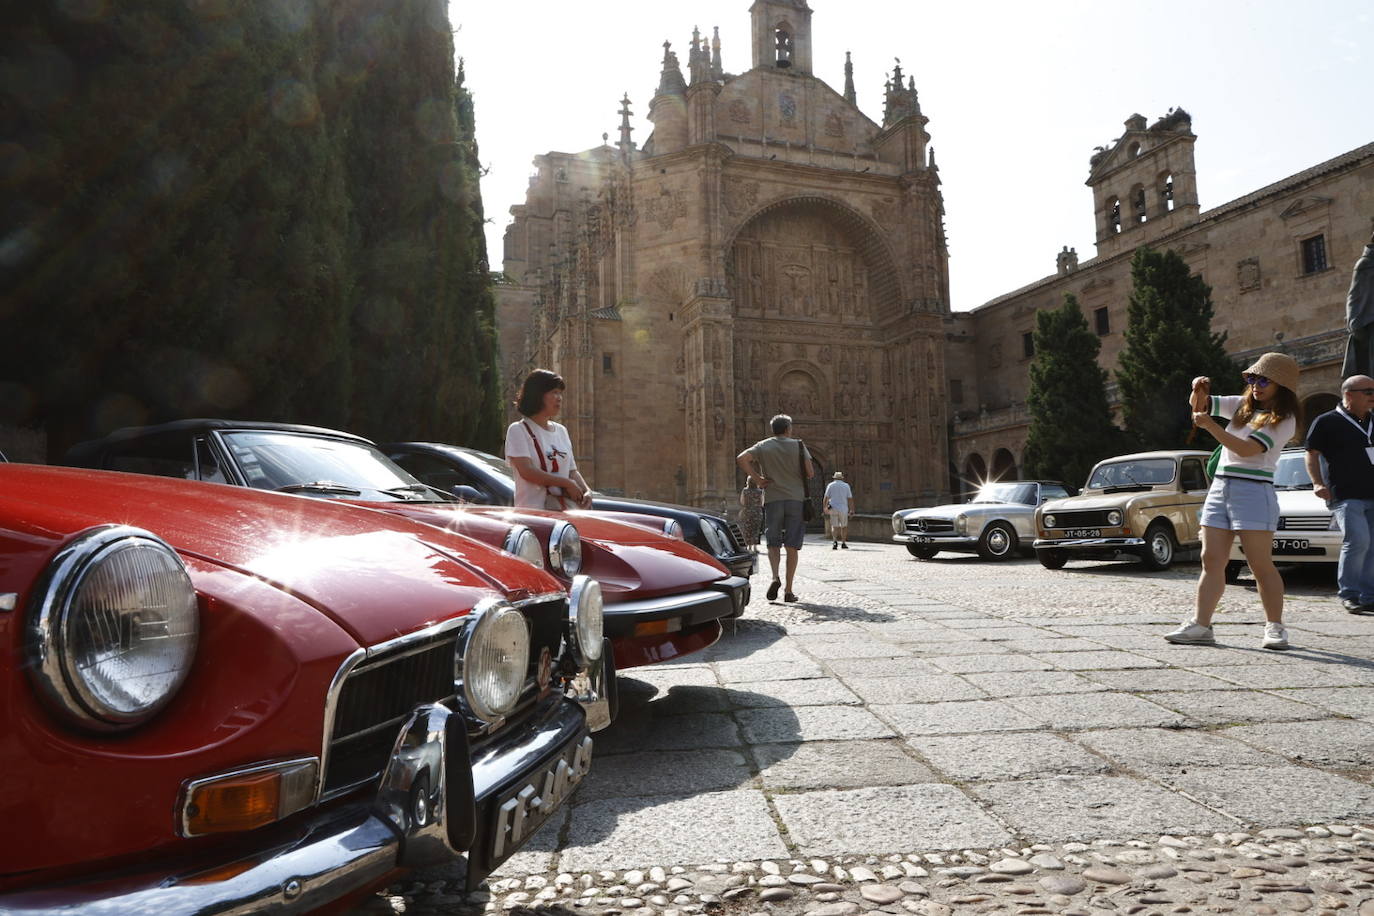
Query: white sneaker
{"x": 1192, "y": 633}
{"x": 1275, "y": 636}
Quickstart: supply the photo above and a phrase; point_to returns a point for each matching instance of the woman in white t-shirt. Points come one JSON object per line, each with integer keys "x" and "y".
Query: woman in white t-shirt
{"x": 1241, "y": 500}
{"x": 539, "y": 450}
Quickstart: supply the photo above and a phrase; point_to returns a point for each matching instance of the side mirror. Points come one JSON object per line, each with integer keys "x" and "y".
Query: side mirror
{"x": 468, "y": 494}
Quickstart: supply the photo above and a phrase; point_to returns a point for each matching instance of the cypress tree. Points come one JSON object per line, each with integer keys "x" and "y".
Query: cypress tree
{"x": 1169, "y": 341}
{"x": 1071, "y": 425}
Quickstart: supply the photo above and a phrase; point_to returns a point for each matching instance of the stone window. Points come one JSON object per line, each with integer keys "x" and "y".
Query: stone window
{"x": 1104, "y": 326}
{"x": 956, "y": 391}
{"x": 1314, "y": 254}
{"x": 1114, "y": 215}
{"x": 1138, "y": 204}
{"x": 607, "y": 364}
{"x": 1166, "y": 193}
{"x": 783, "y": 42}
{"x": 1028, "y": 344}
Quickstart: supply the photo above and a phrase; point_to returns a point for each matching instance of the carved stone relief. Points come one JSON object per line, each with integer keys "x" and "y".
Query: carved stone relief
{"x": 665, "y": 207}
{"x": 834, "y": 125}
{"x": 739, "y": 112}
{"x": 740, "y": 195}
{"x": 1248, "y": 274}
{"x": 787, "y": 107}
{"x": 798, "y": 395}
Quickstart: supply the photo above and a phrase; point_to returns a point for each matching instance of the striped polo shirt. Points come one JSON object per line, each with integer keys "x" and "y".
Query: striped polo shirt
{"x": 1273, "y": 438}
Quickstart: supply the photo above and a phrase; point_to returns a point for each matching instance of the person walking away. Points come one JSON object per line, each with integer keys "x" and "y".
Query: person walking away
{"x": 781, "y": 465}
{"x": 1241, "y": 500}
{"x": 751, "y": 512}
{"x": 1345, "y": 438}
{"x": 839, "y": 505}
{"x": 539, "y": 451}
{"x": 1359, "y": 316}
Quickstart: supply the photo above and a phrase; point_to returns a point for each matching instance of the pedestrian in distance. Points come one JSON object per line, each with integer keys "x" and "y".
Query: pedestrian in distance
{"x": 539, "y": 451}
{"x": 839, "y": 505}
{"x": 751, "y": 512}
{"x": 781, "y": 465}
{"x": 1241, "y": 501}
{"x": 1345, "y": 438}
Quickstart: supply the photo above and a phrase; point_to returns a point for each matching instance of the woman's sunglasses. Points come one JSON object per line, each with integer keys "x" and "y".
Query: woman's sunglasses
{"x": 1257, "y": 381}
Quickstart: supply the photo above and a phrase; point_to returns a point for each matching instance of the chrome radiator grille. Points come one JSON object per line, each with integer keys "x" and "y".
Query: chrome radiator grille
{"x": 1304, "y": 522}
{"x": 1088, "y": 518}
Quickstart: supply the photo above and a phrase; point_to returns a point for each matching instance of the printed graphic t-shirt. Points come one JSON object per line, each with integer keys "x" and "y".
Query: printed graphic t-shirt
{"x": 556, "y": 447}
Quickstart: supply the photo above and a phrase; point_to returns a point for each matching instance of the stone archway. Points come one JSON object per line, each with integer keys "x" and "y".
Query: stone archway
{"x": 1315, "y": 405}
{"x": 975, "y": 473}
{"x": 1003, "y": 465}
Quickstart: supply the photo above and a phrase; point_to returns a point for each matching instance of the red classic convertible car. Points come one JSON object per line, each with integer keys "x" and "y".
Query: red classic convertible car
{"x": 219, "y": 700}
{"x": 664, "y": 598}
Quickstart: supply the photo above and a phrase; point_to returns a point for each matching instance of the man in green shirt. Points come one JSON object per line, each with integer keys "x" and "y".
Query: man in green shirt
{"x": 778, "y": 463}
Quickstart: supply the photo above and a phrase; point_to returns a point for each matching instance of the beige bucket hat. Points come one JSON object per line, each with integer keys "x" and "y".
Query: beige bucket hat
{"x": 1277, "y": 367}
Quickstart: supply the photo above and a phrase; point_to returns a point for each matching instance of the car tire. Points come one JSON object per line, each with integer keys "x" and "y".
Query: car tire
{"x": 998, "y": 542}
{"x": 1233, "y": 568}
{"x": 1052, "y": 558}
{"x": 1160, "y": 546}
{"x": 921, "y": 551}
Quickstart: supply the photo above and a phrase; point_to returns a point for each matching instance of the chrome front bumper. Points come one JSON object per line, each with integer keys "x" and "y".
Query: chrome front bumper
{"x": 437, "y": 802}
{"x": 1089, "y": 543}
{"x": 943, "y": 542}
{"x": 724, "y": 598}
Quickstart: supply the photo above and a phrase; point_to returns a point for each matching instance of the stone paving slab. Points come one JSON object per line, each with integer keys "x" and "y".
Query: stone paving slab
{"x": 877, "y": 691}
{"x": 967, "y": 664}
{"x": 976, "y": 716}
{"x": 820, "y": 691}
{"x": 625, "y": 832}
{"x": 687, "y": 732}
{"x": 1271, "y": 796}
{"x": 831, "y": 765}
{"x": 882, "y": 667}
{"x": 827, "y": 647}
{"x": 1297, "y": 674}
{"x": 1340, "y": 743}
{"x": 746, "y": 671}
{"x": 1222, "y": 707}
{"x": 1096, "y": 710}
{"x": 1087, "y": 807}
{"x": 689, "y": 771}
{"x": 968, "y": 758}
{"x": 1098, "y": 661}
{"x": 876, "y": 820}
{"x": 1348, "y": 701}
{"x": 1164, "y": 750}
{"x": 1144, "y": 681}
{"x": 810, "y": 723}
{"x": 1028, "y": 683}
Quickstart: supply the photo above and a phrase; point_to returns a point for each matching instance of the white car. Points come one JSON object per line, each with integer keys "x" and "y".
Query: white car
{"x": 996, "y": 524}
{"x": 1307, "y": 527}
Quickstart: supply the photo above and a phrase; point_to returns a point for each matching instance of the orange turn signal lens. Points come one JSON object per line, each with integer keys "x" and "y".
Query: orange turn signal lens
{"x": 247, "y": 799}
{"x": 658, "y": 627}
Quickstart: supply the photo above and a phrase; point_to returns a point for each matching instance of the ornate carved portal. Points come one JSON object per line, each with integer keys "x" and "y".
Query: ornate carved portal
{"x": 807, "y": 343}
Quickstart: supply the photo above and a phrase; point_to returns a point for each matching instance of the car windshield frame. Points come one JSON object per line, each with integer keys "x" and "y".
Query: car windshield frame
{"x": 1133, "y": 472}
{"x": 269, "y": 459}
{"x": 1023, "y": 494}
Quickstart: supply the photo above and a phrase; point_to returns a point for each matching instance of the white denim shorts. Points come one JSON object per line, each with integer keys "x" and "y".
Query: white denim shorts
{"x": 1235, "y": 504}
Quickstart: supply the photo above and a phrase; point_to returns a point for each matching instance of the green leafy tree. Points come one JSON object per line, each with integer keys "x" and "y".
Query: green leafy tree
{"x": 1071, "y": 425}
{"x": 1169, "y": 341}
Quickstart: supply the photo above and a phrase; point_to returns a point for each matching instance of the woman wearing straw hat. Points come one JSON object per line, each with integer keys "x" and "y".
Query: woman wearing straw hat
{"x": 1242, "y": 500}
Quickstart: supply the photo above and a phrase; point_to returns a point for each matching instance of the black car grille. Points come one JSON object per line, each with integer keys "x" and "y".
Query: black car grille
{"x": 1304, "y": 522}
{"x": 930, "y": 525}
{"x": 379, "y": 694}
{"x": 1091, "y": 518}
{"x": 736, "y": 538}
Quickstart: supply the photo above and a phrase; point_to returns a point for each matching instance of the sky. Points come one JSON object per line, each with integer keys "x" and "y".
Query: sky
{"x": 1018, "y": 95}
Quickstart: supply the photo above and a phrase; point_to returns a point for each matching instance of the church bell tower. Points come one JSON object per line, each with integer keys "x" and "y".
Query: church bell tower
{"x": 782, "y": 35}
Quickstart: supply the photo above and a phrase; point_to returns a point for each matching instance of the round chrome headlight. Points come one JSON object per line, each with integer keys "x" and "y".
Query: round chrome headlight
{"x": 565, "y": 549}
{"x": 494, "y": 655}
{"x": 524, "y": 543}
{"x": 585, "y": 622}
{"x": 897, "y": 522}
{"x": 1114, "y": 518}
{"x": 1049, "y": 521}
{"x": 115, "y": 628}
{"x": 673, "y": 529}
{"x": 714, "y": 538}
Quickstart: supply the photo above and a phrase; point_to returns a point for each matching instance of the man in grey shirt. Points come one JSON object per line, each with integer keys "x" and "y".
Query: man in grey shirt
{"x": 777, "y": 463}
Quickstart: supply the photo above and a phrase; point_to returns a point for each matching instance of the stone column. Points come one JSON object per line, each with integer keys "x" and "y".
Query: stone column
{"x": 709, "y": 363}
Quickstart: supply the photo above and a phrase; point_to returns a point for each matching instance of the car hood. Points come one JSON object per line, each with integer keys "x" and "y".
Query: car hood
{"x": 1102, "y": 500}
{"x": 624, "y": 558}
{"x": 954, "y": 509}
{"x": 376, "y": 575}
{"x": 1302, "y": 502}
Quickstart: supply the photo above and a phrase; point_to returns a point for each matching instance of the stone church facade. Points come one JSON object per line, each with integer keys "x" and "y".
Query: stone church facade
{"x": 768, "y": 249}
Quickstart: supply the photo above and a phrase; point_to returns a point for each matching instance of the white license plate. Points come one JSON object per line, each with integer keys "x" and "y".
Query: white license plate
{"x": 1287, "y": 545}
{"x": 921, "y": 539}
{"x": 521, "y": 810}
{"x": 1082, "y": 532}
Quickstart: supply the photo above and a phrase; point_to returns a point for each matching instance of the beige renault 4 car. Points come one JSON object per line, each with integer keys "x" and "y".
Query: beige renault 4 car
{"x": 1144, "y": 505}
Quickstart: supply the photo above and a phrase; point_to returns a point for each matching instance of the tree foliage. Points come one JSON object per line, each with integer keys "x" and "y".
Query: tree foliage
{"x": 1169, "y": 341}
{"x": 244, "y": 210}
{"x": 1071, "y": 425}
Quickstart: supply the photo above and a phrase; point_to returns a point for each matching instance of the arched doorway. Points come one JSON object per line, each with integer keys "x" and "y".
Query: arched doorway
{"x": 1314, "y": 406}
{"x": 1003, "y": 465}
{"x": 975, "y": 472}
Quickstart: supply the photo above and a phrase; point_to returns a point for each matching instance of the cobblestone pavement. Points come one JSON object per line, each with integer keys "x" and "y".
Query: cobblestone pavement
{"x": 955, "y": 736}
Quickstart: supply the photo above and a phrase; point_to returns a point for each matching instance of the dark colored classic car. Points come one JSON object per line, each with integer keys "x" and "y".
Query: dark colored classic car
{"x": 663, "y": 597}
{"x": 485, "y": 479}
{"x": 1144, "y": 505}
{"x": 996, "y": 524}
{"x": 223, "y": 700}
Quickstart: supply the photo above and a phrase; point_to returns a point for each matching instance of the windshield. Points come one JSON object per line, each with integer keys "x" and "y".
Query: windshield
{"x": 491, "y": 461}
{"x": 1140, "y": 472}
{"x": 1023, "y": 493}
{"x": 276, "y": 460}
{"x": 1291, "y": 474}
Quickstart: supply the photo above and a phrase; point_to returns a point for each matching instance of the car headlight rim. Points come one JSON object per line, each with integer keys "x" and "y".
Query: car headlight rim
{"x": 565, "y": 549}
{"x": 1114, "y": 518}
{"x": 1049, "y": 521}
{"x": 714, "y": 539}
{"x": 522, "y": 542}
{"x": 673, "y": 528}
{"x": 586, "y": 621}
{"x": 491, "y": 622}
{"x": 94, "y": 576}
